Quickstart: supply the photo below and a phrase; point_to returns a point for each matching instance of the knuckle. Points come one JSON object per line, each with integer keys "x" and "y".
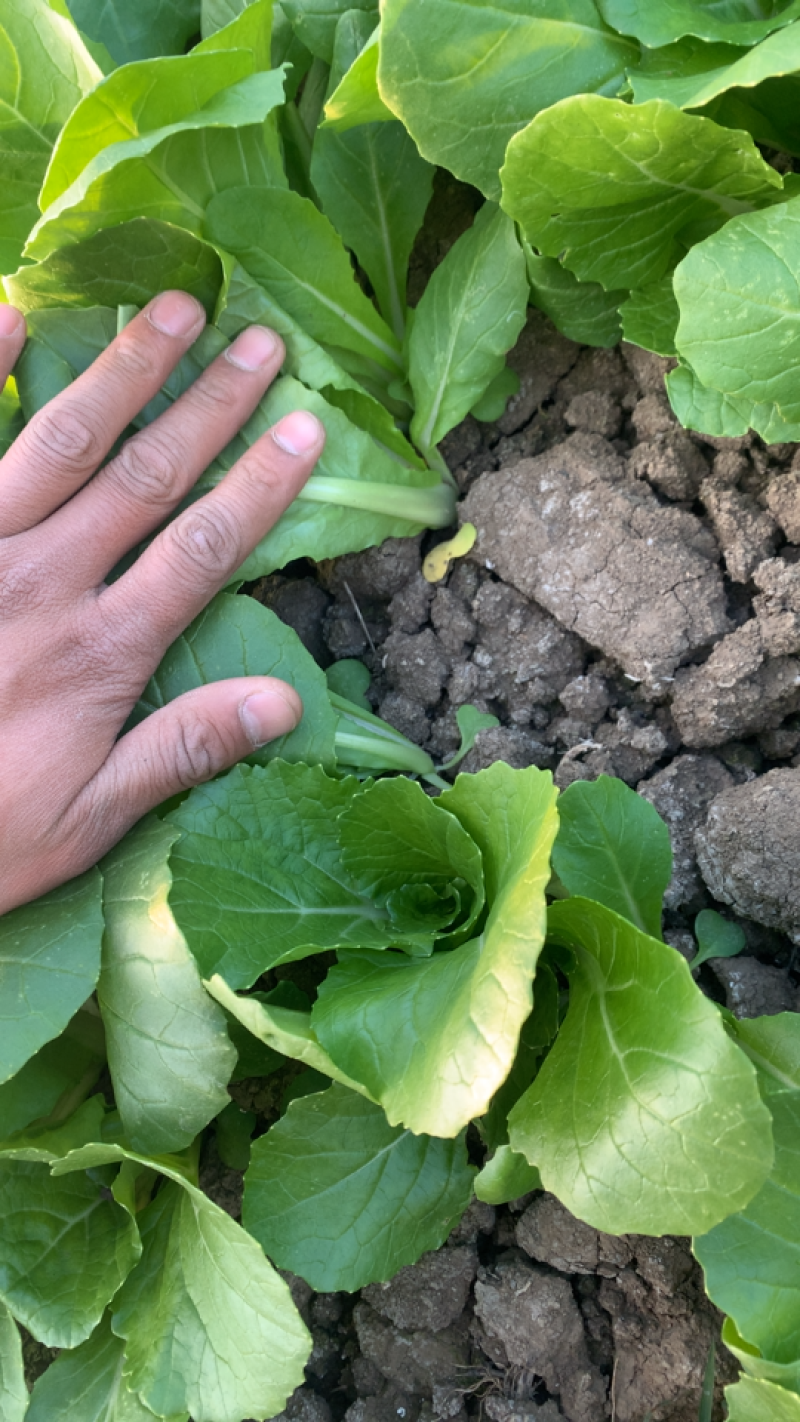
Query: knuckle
{"x": 133, "y": 360}
{"x": 197, "y": 752}
{"x": 211, "y": 394}
{"x": 22, "y": 585}
{"x": 207, "y": 542}
{"x": 65, "y": 440}
{"x": 146, "y": 469}
{"x": 260, "y": 476}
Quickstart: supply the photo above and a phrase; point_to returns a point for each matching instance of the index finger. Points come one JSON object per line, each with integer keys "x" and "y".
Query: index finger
{"x": 65, "y": 442}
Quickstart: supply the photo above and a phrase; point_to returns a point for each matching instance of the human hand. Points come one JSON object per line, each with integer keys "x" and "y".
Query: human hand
{"x": 75, "y": 654}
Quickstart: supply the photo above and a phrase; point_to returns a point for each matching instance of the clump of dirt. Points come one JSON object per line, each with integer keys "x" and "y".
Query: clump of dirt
{"x": 525, "y": 1315}
{"x": 631, "y": 607}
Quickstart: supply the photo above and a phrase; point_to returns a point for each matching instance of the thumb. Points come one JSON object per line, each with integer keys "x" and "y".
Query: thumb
{"x": 188, "y": 741}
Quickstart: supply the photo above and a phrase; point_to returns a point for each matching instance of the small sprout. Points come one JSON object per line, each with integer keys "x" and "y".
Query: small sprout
{"x": 716, "y": 937}
{"x": 470, "y": 721}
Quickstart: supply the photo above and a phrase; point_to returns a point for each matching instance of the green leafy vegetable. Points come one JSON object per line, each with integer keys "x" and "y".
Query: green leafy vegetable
{"x": 237, "y": 636}
{"x": 205, "y": 1317}
{"x": 650, "y": 317}
{"x": 373, "y": 186}
{"x": 751, "y": 1401}
{"x": 356, "y": 98}
{"x": 65, "y": 1248}
{"x": 209, "y": 1326}
{"x": 169, "y": 1055}
{"x": 471, "y": 313}
{"x": 303, "y": 265}
{"x": 740, "y": 323}
{"x": 283, "y": 1029}
{"x": 433, "y": 1038}
{"x": 634, "y": 186}
{"x": 172, "y": 172}
{"x": 336, "y": 1194}
{"x": 315, "y": 21}
{"x": 88, "y": 1382}
{"x": 125, "y": 266}
{"x": 641, "y": 1079}
{"x": 612, "y": 846}
{"x": 706, "y": 71}
{"x": 13, "y": 1391}
{"x": 53, "y": 1082}
{"x": 581, "y": 309}
{"x": 506, "y": 1177}
{"x": 258, "y": 877}
{"x": 46, "y": 69}
{"x": 151, "y": 27}
{"x": 49, "y": 964}
{"x": 750, "y": 1260}
{"x": 464, "y": 78}
{"x": 734, "y": 21}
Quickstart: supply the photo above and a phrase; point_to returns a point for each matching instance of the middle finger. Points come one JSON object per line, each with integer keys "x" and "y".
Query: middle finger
{"x": 138, "y": 489}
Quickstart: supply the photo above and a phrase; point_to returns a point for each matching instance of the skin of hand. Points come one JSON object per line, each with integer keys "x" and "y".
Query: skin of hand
{"x": 75, "y": 653}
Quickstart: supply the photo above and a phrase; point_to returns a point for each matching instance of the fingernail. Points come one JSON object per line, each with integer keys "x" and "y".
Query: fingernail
{"x": 175, "y": 313}
{"x": 267, "y": 714}
{"x": 298, "y": 433}
{"x": 9, "y": 321}
{"x": 253, "y": 349}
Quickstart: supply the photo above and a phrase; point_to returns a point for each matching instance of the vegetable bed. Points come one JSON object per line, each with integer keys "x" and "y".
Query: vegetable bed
{"x": 395, "y": 996}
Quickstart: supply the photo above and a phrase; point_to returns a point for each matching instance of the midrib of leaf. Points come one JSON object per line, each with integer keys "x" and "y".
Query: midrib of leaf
{"x": 355, "y": 911}
{"x": 359, "y": 1170}
{"x": 70, "y": 1224}
{"x": 595, "y": 972}
{"x": 398, "y": 320}
{"x": 113, "y": 1395}
{"x": 578, "y": 34}
{"x": 6, "y": 107}
{"x": 634, "y": 915}
{"x": 173, "y": 187}
{"x": 437, "y": 404}
{"x": 344, "y": 315}
{"x": 768, "y": 1067}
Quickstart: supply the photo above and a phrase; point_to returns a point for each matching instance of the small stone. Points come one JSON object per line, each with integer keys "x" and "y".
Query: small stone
{"x": 407, "y": 716}
{"x": 515, "y": 747}
{"x": 746, "y": 533}
{"x": 586, "y": 697}
{"x": 410, "y": 607}
{"x": 430, "y": 1294}
{"x": 648, "y": 369}
{"x": 783, "y": 502}
{"x": 416, "y": 665}
{"x": 301, "y": 604}
{"x": 754, "y": 989}
{"x": 682, "y": 793}
{"x": 780, "y": 744}
{"x": 550, "y": 1234}
{"x": 378, "y": 572}
{"x": 749, "y": 850}
{"x": 452, "y": 620}
{"x": 777, "y": 606}
{"x": 596, "y": 411}
{"x": 305, "y": 1406}
{"x": 737, "y": 692}
{"x": 529, "y": 1317}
